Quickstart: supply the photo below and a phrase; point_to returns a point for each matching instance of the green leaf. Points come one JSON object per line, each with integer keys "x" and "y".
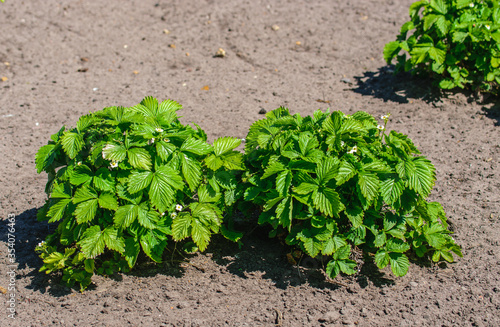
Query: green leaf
{"x": 327, "y": 201}
{"x": 45, "y": 157}
{"x": 397, "y": 245}
{"x": 139, "y": 180}
{"x": 213, "y": 162}
{"x": 439, "y": 6}
{"x": 181, "y": 226}
{"x": 126, "y": 215}
{"x": 225, "y": 179}
{"x": 113, "y": 242}
{"x": 369, "y": 185}
{"x": 326, "y": 170}
{"x": 57, "y": 209}
{"x": 382, "y": 259}
{"x": 332, "y": 269}
{"x": 346, "y": 172}
{"x": 108, "y": 201}
{"x": 391, "y": 50}
{"x": 196, "y": 146}
{"x": 225, "y": 144}
{"x": 348, "y": 266}
{"x": 132, "y": 249}
{"x": 114, "y": 152}
{"x": 273, "y": 167}
{"x": 391, "y": 189}
{"x": 92, "y": 242}
{"x": 164, "y": 149}
{"x": 86, "y": 211}
{"x": 283, "y": 182}
{"x": 84, "y": 193}
{"x": 104, "y": 180}
{"x": 233, "y": 161}
{"x": 284, "y": 212}
{"x": 230, "y": 234}
{"x": 61, "y": 191}
{"x": 148, "y": 218}
{"x": 305, "y": 188}
{"x": 200, "y": 234}
{"x": 342, "y": 253}
{"x": 355, "y": 215}
{"x": 399, "y": 264}
{"x": 72, "y": 143}
{"x": 422, "y": 180}
{"x": 139, "y": 158}
{"x": 161, "y": 191}
{"x": 311, "y": 246}
{"x": 191, "y": 170}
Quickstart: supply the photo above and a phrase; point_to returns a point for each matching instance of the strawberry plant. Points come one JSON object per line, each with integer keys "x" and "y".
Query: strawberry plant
{"x": 130, "y": 180}
{"x": 332, "y": 182}
{"x": 456, "y": 42}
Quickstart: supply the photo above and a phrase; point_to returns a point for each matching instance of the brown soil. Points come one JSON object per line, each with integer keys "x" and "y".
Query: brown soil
{"x": 64, "y": 59}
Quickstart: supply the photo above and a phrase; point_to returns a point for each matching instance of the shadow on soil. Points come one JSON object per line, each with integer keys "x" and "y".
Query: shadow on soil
{"x": 258, "y": 254}
{"x": 386, "y": 85}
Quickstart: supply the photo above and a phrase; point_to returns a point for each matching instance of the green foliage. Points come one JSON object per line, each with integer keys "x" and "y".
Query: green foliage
{"x": 457, "y": 42}
{"x": 127, "y": 180}
{"x": 331, "y": 182}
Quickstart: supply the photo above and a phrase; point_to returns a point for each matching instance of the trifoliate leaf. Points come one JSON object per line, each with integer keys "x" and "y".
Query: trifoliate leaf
{"x": 139, "y": 158}
{"x": 312, "y": 246}
{"x": 85, "y": 211}
{"x": 72, "y": 143}
{"x": 399, "y": 264}
{"x": 326, "y": 170}
{"x": 148, "y": 218}
{"x": 225, "y": 144}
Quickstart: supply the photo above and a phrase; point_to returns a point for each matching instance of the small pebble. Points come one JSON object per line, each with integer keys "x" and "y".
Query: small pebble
{"x": 262, "y": 111}
{"x": 275, "y": 27}
{"x": 221, "y": 53}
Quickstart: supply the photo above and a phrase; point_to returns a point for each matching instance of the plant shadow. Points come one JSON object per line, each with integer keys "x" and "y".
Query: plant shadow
{"x": 399, "y": 88}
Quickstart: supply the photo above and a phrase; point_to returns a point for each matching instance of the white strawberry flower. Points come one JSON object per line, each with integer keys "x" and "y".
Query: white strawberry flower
{"x": 178, "y": 207}
{"x": 353, "y": 150}
{"x": 487, "y": 27}
{"x": 159, "y": 130}
{"x": 384, "y": 117}
{"x": 471, "y": 5}
{"x": 79, "y": 163}
{"x": 162, "y": 214}
{"x": 113, "y": 164}
{"x": 151, "y": 141}
{"x": 41, "y": 243}
{"x": 173, "y": 215}
{"x": 166, "y": 140}
{"x": 380, "y": 127}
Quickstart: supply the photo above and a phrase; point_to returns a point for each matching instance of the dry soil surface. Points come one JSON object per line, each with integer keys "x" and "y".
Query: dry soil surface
{"x": 62, "y": 59}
